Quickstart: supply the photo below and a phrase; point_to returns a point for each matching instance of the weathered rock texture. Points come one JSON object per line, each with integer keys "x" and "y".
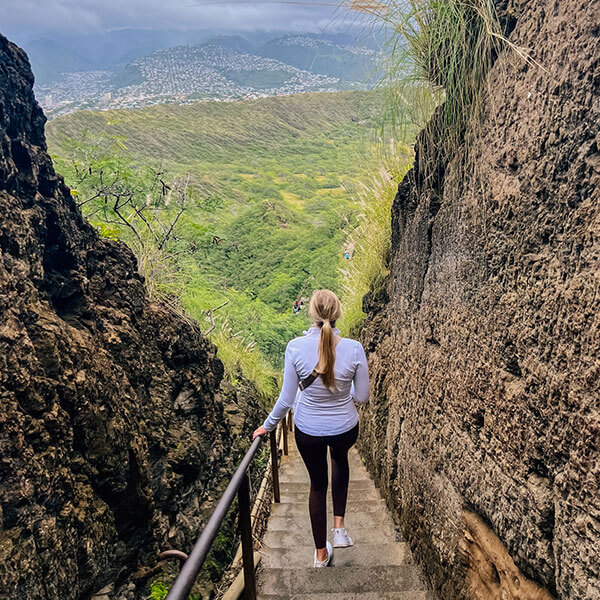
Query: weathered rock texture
{"x": 114, "y": 440}
{"x": 484, "y": 345}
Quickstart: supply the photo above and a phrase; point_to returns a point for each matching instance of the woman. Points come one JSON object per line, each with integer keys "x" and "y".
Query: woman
{"x": 325, "y": 414}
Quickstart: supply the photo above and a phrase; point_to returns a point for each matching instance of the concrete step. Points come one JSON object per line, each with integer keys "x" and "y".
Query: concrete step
{"x": 287, "y": 477}
{"x": 341, "y": 580}
{"x": 353, "y": 456}
{"x": 297, "y": 472}
{"x": 361, "y": 495}
{"x": 356, "y": 486}
{"x": 378, "y": 524}
{"x": 302, "y": 536}
{"x": 353, "y": 506}
{"x": 408, "y": 595}
{"x": 366, "y": 555}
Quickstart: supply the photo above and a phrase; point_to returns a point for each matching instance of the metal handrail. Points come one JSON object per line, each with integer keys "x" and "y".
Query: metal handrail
{"x": 239, "y": 484}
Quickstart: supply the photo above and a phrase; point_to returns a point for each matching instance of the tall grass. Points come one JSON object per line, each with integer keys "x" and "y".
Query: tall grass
{"x": 370, "y": 241}
{"x": 238, "y": 357}
{"x": 438, "y": 54}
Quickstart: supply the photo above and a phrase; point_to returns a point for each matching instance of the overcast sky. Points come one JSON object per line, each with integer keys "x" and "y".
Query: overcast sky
{"x": 35, "y": 17}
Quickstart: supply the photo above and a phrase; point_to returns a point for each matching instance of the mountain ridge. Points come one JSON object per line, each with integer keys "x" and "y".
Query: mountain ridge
{"x": 221, "y": 67}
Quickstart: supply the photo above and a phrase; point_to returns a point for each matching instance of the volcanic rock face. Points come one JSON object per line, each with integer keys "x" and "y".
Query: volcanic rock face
{"x": 114, "y": 441}
{"x": 484, "y": 347}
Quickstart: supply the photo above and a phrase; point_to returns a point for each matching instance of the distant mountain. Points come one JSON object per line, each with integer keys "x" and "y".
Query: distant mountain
{"x": 324, "y": 56}
{"x": 50, "y": 59}
{"x": 112, "y": 70}
{"x": 51, "y": 56}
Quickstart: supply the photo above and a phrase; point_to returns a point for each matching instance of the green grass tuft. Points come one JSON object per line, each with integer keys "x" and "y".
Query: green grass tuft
{"x": 438, "y": 55}
{"x": 245, "y": 358}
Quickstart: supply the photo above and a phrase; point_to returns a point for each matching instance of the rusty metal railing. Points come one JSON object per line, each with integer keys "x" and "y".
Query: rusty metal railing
{"x": 240, "y": 486}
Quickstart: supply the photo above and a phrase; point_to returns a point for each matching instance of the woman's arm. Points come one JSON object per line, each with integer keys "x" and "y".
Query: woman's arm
{"x": 360, "y": 383}
{"x": 288, "y": 392}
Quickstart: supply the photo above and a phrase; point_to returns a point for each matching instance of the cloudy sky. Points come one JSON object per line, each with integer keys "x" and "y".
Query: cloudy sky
{"x": 36, "y": 17}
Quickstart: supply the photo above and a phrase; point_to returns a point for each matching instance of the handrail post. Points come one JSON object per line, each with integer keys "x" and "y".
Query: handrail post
{"x": 290, "y": 422}
{"x": 285, "y": 437}
{"x": 246, "y": 538}
{"x": 275, "y": 466}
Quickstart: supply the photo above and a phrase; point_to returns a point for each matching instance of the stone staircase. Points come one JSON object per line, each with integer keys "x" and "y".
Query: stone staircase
{"x": 377, "y": 567}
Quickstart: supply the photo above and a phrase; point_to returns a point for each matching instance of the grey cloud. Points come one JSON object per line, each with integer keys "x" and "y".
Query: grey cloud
{"x": 87, "y": 16}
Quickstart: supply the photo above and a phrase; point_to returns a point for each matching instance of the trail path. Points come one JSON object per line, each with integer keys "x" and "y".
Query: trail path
{"x": 378, "y": 567}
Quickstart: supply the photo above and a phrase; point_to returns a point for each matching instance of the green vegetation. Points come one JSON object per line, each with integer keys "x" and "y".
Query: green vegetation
{"x": 127, "y": 75}
{"x": 234, "y": 210}
{"x": 370, "y": 241}
{"x": 440, "y": 50}
{"x": 159, "y": 591}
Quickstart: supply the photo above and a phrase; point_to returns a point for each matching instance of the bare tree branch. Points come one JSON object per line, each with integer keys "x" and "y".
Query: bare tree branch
{"x": 211, "y": 315}
{"x": 116, "y": 209}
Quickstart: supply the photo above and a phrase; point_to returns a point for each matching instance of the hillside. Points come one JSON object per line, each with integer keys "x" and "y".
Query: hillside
{"x": 271, "y": 212}
{"x": 318, "y": 55}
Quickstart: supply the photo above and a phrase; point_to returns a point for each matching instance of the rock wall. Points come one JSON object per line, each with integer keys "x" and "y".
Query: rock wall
{"x": 115, "y": 435}
{"x": 484, "y": 345}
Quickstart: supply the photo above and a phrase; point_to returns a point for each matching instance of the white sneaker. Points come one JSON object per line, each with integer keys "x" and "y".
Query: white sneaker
{"x": 340, "y": 538}
{"x": 324, "y": 563}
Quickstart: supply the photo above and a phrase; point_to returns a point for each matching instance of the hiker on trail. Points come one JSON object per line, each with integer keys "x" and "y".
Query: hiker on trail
{"x": 296, "y": 306}
{"x": 332, "y": 374}
{"x": 349, "y": 251}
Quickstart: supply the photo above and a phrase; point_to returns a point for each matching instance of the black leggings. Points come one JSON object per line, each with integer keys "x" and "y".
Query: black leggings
{"x": 313, "y": 450}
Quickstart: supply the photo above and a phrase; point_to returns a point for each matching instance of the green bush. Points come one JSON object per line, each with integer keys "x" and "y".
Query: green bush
{"x": 158, "y": 591}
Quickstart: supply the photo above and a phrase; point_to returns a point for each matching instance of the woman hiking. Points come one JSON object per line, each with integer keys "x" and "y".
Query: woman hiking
{"x": 332, "y": 374}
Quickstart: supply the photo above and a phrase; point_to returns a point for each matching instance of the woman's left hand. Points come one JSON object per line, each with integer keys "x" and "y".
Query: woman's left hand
{"x": 260, "y": 431}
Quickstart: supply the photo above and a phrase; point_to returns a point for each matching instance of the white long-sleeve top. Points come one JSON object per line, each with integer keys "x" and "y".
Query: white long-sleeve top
{"x": 318, "y": 410}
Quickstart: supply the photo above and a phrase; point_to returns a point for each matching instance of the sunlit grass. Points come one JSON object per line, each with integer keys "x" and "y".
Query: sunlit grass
{"x": 371, "y": 239}
{"x": 437, "y": 58}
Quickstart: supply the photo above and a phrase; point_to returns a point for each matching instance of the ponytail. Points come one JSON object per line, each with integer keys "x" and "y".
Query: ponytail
{"x": 326, "y": 355}
{"x": 324, "y": 311}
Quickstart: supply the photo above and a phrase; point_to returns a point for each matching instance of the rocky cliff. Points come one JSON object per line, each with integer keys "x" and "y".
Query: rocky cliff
{"x": 115, "y": 435}
{"x": 484, "y": 345}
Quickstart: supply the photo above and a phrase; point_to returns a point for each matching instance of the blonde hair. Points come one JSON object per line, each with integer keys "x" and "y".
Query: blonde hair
{"x": 324, "y": 310}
